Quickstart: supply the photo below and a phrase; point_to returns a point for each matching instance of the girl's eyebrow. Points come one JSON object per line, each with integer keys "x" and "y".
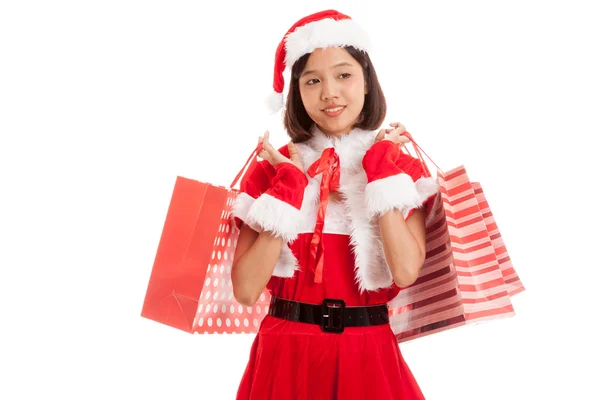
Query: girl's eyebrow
{"x": 342, "y": 64}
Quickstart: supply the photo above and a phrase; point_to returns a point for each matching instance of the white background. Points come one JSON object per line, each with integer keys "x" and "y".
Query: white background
{"x": 104, "y": 103}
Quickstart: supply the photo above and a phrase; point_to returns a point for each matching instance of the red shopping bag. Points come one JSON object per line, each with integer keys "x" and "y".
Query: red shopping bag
{"x": 467, "y": 276}
{"x": 190, "y": 283}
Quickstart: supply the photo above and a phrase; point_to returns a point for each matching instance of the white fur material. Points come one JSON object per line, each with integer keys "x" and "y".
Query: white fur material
{"x": 274, "y": 102}
{"x": 324, "y": 33}
{"x": 241, "y": 207}
{"x": 394, "y": 192}
{"x": 371, "y": 270}
{"x": 399, "y": 192}
{"x": 318, "y": 34}
{"x": 275, "y": 215}
{"x": 426, "y": 187}
{"x": 287, "y": 264}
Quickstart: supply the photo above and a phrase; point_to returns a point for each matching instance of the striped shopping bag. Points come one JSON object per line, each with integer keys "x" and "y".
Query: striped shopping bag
{"x": 511, "y": 279}
{"x": 467, "y": 276}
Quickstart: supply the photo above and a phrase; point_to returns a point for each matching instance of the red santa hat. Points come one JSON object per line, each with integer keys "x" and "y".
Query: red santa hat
{"x": 320, "y": 30}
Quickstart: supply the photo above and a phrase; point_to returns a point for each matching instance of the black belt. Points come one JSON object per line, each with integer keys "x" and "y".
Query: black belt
{"x": 331, "y": 314}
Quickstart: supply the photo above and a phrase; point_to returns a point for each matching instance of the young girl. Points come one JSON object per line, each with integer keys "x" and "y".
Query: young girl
{"x": 333, "y": 224}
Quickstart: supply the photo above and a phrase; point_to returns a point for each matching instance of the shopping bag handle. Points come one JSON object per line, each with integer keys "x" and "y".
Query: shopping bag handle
{"x": 253, "y": 157}
{"x": 251, "y": 160}
{"x": 418, "y": 150}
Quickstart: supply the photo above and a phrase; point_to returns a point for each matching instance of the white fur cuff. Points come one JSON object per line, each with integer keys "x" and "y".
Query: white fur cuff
{"x": 398, "y": 192}
{"x": 275, "y": 215}
{"x": 241, "y": 207}
{"x": 287, "y": 264}
{"x": 427, "y": 187}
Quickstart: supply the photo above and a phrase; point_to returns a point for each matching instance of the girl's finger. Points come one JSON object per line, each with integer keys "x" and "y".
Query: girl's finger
{"x": 263, "y": 154}
{"x": 266, "y": 145}
{"x": 294, "y": 155}
{"x": 399, "y": 126}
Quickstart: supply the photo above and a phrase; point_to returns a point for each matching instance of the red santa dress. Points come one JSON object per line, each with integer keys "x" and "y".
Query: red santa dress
{"x": 295, "y": 360}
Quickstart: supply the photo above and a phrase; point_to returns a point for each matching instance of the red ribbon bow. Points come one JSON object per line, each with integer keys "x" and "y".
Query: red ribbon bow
{"x": 329, "y": 166}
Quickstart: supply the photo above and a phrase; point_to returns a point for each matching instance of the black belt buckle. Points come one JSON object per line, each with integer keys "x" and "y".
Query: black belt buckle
{"x": 332, "y": 315}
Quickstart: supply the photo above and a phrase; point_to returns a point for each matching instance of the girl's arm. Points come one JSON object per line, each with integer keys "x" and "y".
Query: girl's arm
{"x": 254, "y": 261}
{"x": 403, "y": 244}
{"x": 268, "y": 214}
{"x": 396, "y": 192}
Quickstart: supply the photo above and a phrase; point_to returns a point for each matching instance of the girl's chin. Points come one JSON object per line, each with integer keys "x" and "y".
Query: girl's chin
{"x": 335, "y": 127}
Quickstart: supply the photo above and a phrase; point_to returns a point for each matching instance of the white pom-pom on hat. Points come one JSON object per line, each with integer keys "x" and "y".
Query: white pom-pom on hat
{"x": 274, "y": 102}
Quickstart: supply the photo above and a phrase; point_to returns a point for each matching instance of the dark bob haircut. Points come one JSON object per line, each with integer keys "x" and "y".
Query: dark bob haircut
{"x": 298, "y": 123}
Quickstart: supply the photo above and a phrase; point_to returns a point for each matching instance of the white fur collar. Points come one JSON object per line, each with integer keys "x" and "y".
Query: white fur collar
{"x": 350, "y": 148}
{"x": 371, "y": 271}
{"x": 356, "y": 213}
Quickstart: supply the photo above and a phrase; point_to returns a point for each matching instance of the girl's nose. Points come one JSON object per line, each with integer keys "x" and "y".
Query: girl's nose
{"x": 330, "y": 90}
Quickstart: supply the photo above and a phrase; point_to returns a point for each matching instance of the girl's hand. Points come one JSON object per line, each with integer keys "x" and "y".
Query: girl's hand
{"x": 395, "y": 135}
{"x": 274, "y": 157}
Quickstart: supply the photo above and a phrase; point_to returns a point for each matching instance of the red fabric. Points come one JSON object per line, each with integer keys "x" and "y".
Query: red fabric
{"x": 259, "y": 177}
{"x": 255, "y": 181}
{"x": 328, "y": 165}
{"x": 280, "y": 54}
{"x": 288, "y": 184}
{"x": 284, "y": 182}
{"x": 292, "y": 360}
{"x": 385, "y": 159}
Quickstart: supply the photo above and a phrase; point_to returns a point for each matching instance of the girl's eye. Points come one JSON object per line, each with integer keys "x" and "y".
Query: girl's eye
{"x": 315, "y": 80}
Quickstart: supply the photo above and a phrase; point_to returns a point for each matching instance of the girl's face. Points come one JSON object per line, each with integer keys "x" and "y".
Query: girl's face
{"x": 333, "y": 88}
